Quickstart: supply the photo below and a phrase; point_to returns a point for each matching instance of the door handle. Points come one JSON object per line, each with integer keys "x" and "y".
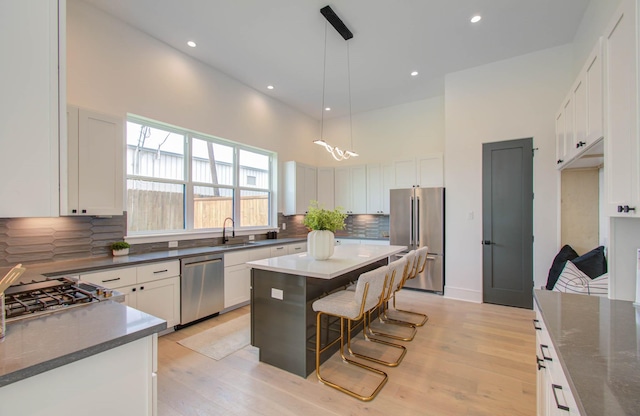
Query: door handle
{"x": 487, "y": 242}
{"x": 411, "y": 222}
{"x": 417, "y": 221}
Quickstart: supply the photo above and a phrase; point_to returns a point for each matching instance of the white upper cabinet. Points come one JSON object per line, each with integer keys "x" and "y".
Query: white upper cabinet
{"x": 92, "y": 181}
{"x": 300, "y": 187}
{"x": 425, "y": 171}
{"x": 595, "y": 95}
{"x": 621, "y": 71}
{"x": 33, "y": 87}
{"x": 379, "y": 179}
{"x": 326, "y": 197}
{"x": 580, "y": 120}
{"x": 351, "y": 189}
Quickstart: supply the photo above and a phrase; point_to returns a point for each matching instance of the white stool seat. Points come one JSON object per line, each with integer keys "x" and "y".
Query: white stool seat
{"x": 341, "y": 303}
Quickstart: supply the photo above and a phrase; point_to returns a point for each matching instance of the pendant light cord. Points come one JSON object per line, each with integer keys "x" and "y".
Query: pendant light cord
{"x": 324, "y": 80}
{"x": 349, "y": 81}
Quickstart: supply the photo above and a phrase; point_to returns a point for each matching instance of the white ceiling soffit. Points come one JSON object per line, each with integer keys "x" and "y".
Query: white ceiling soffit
{"x": 281, "y": 42}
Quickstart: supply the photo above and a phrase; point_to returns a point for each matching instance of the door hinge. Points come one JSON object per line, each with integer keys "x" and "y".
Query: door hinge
{"x": 533, "y": 238}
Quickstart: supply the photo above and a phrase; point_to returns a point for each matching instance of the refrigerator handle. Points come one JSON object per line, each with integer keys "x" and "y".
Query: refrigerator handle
{"x": 411, "y": 223}
{"x": 417, "y": 221}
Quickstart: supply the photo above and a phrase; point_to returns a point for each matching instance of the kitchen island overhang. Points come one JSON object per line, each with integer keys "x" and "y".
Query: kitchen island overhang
{"x": 283, "y": 290}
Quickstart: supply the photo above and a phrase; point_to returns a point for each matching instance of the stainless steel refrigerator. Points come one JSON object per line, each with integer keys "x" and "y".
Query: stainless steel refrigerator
{"x": 417, "y": 220}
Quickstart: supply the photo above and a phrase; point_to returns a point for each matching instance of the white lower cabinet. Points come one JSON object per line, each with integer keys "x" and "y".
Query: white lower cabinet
{"x": 554, "y": 396}
{"x": 237, "y": 285}
{"x": 152, "y": 288}
{"x": 237, "y": 278}
{"x": 119, "y": 381}
{"x": 237, "y": 274}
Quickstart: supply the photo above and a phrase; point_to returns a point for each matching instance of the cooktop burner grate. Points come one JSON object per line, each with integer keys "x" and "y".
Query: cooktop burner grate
{"x": 51, "y": 294}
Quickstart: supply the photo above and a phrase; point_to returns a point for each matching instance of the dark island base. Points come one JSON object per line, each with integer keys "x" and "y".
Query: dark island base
{"x": 285, "y": 330}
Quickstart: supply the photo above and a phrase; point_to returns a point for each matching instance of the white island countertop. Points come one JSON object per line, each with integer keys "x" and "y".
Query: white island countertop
{"x": 345, "y": 259}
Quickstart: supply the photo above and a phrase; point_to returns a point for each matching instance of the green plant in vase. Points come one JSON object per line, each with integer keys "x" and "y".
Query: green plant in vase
{"x": 120, "y": 248}
{"x": 322, "y": 223}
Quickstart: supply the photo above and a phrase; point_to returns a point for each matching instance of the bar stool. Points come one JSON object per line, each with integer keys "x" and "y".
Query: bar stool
{"x": 398, "y": 270}
{"x": 350, "y": 306}
{"x": 418, "y": 267}
{"x": 366, "y": 324}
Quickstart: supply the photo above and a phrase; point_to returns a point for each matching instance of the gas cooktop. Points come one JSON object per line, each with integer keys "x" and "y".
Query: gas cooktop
{"x": 27, "y": 300}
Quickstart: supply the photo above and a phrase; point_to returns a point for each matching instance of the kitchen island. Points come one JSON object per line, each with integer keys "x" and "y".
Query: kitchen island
{"x": 283, "y": 290}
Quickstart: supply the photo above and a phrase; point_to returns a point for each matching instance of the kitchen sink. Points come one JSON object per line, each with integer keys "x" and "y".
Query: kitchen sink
{"x": 247, "y": 244}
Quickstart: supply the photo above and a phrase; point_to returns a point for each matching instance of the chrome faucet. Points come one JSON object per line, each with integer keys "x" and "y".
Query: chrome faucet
{"x": 233, "y": 230}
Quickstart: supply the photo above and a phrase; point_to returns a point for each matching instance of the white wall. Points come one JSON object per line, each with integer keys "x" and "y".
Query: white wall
{"x": 116, "y": 69}
{"x": 396, "y": 132}
{"x": 505, "y": 100}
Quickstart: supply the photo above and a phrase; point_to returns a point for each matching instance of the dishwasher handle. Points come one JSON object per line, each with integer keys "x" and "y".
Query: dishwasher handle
{"x": 200, "y": 260}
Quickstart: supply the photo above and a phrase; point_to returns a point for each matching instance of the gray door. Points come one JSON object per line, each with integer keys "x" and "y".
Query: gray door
{"x": 507, "y": 222}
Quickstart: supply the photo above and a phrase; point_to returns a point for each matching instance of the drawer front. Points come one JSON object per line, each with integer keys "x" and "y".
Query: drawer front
{"x": 259, "y": 253}
{"x": 157, "y": 271}
{"x": 297, "y": 248}
{"x": 277, "y": 251}
{"x": 236, "y": 257}
{"x": 112, "y": 278}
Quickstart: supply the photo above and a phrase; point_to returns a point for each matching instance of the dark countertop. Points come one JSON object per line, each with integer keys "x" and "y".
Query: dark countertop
{"x": 33, "y": 346}
{"x": 88, "y": 264}
{"x": 598, "y": 344}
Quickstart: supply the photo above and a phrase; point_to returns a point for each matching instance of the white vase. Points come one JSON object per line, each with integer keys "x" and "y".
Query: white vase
{"x": 123, "y": 252}
{"x": 320, "y": 244}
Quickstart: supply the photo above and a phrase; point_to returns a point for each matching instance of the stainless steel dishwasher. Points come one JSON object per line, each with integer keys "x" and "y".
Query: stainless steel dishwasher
{"x": 201, "y": 286}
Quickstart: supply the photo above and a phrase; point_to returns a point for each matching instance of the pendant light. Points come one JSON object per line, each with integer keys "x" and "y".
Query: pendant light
{"x": 337, "y": 153}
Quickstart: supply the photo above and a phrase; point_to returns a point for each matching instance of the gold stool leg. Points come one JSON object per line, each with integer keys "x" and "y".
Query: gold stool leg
{"x": 336, "y": 386}
{"x": 423, "y": 316}
{"x": 365, "y": 328}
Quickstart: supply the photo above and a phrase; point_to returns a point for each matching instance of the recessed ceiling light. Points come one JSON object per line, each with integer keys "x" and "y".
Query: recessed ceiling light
{"x": 327, "y": 109}
{"x": 414, "y": 73}
{"x": 191, "y": 43}
{"x": 269, "y": 87}
{"x": 476, "y": 18}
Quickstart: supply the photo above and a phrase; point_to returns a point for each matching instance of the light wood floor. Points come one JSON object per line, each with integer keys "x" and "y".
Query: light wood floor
{"x": 469, "y": 359}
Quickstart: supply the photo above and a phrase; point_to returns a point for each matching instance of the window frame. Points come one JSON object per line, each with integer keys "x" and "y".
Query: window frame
{"x": 189, "y": 232}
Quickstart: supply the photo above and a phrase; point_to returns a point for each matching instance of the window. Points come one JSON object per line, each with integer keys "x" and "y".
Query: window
{"x": 179, "y": 181}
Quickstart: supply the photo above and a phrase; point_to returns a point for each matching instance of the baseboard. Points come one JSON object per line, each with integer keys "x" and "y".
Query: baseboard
{"x": 463, "y": 294}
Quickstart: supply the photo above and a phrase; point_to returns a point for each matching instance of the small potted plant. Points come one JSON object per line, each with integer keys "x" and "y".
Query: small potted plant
{"x": 322, "y": 223}
{"x": 120, "y": 248}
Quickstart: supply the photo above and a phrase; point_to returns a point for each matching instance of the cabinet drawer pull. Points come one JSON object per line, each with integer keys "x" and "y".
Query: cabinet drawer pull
{"x": 539, "y": 361}
{"x": 279, "y": 248}
{"x": 556, "y": 387}
{"x": 111, "y": 280}
{"x": 161, "y": 271}
{"x": 537, "y": 328}
{"x": 546, "y": 357}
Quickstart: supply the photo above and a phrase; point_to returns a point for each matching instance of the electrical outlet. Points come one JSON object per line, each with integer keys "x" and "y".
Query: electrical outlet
{"x": 284, "y": 225}
{"x": 252, "y": 237}
{"x": 173, "y": 244}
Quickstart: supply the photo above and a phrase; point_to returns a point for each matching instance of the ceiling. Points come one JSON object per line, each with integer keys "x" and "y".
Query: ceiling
{"x": 281, "y": 42}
